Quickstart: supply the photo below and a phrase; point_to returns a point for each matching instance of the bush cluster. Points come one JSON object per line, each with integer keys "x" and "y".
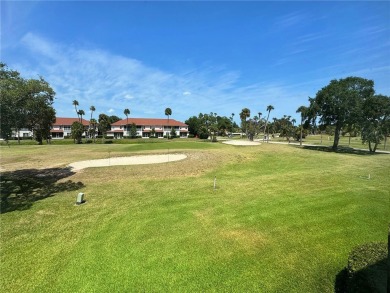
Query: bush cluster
{"x": 203, "y": 135}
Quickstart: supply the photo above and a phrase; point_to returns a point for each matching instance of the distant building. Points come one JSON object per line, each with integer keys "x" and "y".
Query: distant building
{"x": 146, "y": 125}
{"x": 23, "y": 133}
{"x": 62, "y": 127}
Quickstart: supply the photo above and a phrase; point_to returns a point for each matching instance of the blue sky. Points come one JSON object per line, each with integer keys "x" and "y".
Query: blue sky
{"x": 194, "y": 57}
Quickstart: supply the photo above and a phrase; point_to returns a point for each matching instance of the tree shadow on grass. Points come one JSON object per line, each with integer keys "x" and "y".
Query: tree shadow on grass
{"x": 372, "y": 278}
{"x": 21, "y": 188}
{"x": 341, "y": 150}
{"x": 340, "y": 284}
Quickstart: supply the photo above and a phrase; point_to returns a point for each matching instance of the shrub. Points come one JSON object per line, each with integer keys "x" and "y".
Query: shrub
{"x": 89, "y": 141}
{"x": 203, "y": 135}
{"x": 108, "y": 141}
{"x": 297, "y": 134}
{"x": 367, "y": 268}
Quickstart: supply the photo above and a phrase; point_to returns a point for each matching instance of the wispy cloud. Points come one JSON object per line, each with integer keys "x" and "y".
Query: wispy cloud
{"x": 112, "y": 83}
{"x": 372, "y": 30}
{"x": 307, "y": 39}
{"x": 290, "y": 19}
{"x": 41, "y": 47}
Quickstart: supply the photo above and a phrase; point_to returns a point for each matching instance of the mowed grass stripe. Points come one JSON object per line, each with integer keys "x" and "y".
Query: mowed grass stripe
{"x": 281, "y": 220}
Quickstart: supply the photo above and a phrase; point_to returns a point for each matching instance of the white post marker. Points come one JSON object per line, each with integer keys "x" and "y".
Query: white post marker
{"x": 80, "y": 199}
{"x": 215, "y": 182}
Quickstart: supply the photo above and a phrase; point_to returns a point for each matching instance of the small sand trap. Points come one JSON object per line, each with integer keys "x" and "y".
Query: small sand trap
{"x": 242, "y": 142}
{"x": 133, "y": 160}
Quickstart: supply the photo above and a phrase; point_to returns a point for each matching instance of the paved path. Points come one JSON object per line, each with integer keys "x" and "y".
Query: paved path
{"x": 242, "y": 142}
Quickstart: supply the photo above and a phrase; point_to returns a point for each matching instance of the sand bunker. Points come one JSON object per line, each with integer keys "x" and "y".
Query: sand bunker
{"x": 242, "y": 142}
{"x": 133, "y": 160}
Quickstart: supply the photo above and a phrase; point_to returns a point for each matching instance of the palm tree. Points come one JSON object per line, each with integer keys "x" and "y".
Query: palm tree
{"x": 75, "y": 104}
{"x": 168, "y": 112}
{"x": 269, "y": 109}
{"x": 92, "y": 109}
{"x": 293, "y": 121}
{"x": 243, "y": 115}
{"x": 81, "y": 113}
{"x": 127, "y": 113}
{"x": 304, "y": 111}
{"x": 92, "y": 128}
{"x": 231, "y": 120}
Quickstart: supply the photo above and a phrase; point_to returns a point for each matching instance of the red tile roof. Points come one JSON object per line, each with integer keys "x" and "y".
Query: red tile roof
{"x": 149, "y": 122}
{"x": 68, "y": 121}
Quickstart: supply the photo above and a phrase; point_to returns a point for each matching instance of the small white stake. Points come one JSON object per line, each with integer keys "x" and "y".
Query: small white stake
{"x": 369, "y": 176}
{"x": 215, "y": 182}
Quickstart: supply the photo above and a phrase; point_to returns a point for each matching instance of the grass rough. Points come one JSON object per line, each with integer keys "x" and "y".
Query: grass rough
{"x": 282, "y": 219}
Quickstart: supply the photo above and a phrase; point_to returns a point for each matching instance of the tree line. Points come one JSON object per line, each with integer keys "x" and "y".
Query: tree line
{"x": 347, "y": 105}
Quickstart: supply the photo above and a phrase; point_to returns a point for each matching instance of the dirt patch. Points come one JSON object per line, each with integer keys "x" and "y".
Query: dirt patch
{"x": 249, "y": 241}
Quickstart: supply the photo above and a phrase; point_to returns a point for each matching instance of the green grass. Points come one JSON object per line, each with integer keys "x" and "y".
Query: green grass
{"x": 282, "y": 219}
